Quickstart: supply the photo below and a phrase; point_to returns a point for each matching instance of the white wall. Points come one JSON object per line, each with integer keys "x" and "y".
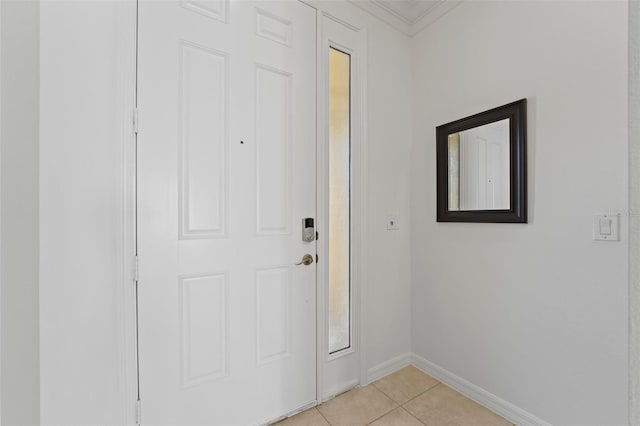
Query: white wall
{"x": 19, "y": 223}
{"x": 79, "y": 200}
{"x": 535, "y": 314}
{"x": 389, "y": 137}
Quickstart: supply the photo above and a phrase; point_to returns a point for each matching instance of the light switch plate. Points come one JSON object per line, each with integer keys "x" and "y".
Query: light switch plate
{"x": 606, "y": 227}
{"x": 392, "y": 222}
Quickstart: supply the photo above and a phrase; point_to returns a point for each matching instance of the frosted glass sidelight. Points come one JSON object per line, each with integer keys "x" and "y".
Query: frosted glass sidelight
{"x": 339, "y": 200}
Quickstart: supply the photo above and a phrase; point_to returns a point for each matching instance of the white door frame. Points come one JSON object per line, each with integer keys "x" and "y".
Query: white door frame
{"x": 338, "y": 13}
{"x": 126, "y": 67}
{"x": 634, "y": 213}
{"x": 126, "y": 116}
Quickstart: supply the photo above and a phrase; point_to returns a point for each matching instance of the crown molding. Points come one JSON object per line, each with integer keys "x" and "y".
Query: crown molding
{"x": 433, "y": 14}
{"x": 401, "y": 23}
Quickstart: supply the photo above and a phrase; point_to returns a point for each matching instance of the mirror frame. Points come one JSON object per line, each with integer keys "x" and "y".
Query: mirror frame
{"x": 516, "y": 112}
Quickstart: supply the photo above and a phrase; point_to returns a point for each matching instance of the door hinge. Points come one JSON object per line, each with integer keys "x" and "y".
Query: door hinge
{"x": 135, "y": 121}
{"x": 137, "y": 270}
{"x": 138, "y": 412}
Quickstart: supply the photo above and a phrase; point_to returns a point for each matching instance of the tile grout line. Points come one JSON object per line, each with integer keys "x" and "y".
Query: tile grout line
{"x": 438, "y": 382}
{"x": 397, "y": 405}
{"x": 381, "y": 416}
{"x": 401, "y": 405}
{"x": 388, "y": 396}
{"x": 454, "y": 390}
{"x": 421, "y": 393}
{"x": 322, "y": 415}
{"x": 409, "y": 413}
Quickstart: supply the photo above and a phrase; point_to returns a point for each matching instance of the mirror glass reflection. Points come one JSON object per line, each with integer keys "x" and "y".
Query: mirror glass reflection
{"x": 479, "y": 168}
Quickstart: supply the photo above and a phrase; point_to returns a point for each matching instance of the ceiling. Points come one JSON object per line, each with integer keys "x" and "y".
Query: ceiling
{"x": 408, "y": 16}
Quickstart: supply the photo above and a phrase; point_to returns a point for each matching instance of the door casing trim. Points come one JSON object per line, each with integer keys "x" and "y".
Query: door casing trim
{"x": 344, "y": 15}
{"x": 633, "y": 219}
{"x": 126, "y": 78}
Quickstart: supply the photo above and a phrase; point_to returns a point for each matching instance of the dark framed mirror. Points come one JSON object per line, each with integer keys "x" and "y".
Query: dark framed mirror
{"x": 482, "y": 166}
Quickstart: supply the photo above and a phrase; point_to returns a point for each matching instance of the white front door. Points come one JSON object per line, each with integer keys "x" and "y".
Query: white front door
{"x": 226, "y": 173}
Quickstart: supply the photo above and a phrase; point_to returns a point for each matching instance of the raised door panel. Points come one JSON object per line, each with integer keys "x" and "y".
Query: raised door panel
{"x": 203, "y": 138}
{"x": 273, "y": 146}
{"x": 215, "y": 9}
{"x": 204, "y": 306}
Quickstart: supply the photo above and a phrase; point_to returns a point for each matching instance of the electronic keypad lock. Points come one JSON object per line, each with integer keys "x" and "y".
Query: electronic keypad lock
{"x": 308, "y": 230}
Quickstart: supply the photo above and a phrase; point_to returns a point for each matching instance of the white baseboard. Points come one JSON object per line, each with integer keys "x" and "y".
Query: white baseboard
{"x": 388, "y": 367}
{"x": 498, "y": 405}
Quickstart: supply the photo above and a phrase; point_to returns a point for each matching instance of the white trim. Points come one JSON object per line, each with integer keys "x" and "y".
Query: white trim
{"x": 634, "y": 208}
{"x": 126, "y": 56}
{"x": 362, "y": 235}
{"x": 406, "y": 26}
{"x": 485, "y": 398}
{"x": 390, "y": 366}
{"x": 342, "y": 353}
{"x": 320, "y": 132}
{"x": 337, "y": 13}
{"x": 435, "y": 13}
{"x": 1, "y": 214}
{"x": 384, "y": 15}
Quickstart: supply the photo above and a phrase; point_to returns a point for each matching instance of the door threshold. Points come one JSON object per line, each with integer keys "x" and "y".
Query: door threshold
{"x": 292, "y": 413}
{"x": 340, "y": 390}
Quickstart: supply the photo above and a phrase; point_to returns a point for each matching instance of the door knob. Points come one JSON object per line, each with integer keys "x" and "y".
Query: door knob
{"x": 307, "y": 260}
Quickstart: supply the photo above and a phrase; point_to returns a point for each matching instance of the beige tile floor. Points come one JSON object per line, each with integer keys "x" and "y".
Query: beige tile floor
{"x": 407, "y": 397}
